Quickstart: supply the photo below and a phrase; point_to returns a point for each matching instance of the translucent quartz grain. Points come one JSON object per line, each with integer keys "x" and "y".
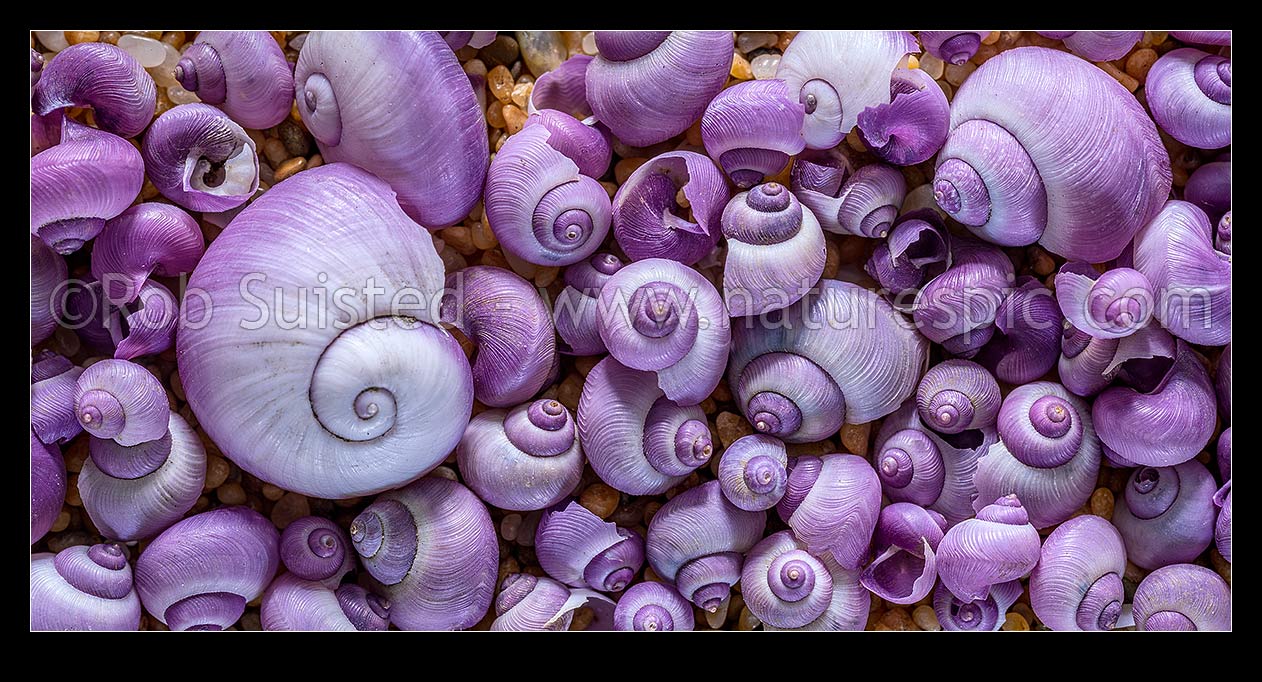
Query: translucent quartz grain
{"x": 521, "y": 94}
{"x": 752, "y": 40}
{"x": 740, "y": 68}
{"x": 514, "y": 119}
{"x": 542, "y": 51}
{"x": 764, "y": 66}
{"x": 76, "y": 37}
{"x": 164, "y": 73}
{"x": 179, "y": 95}
{"x": 926, "y": 619}
{"x": 956, "y": 74}
{"x": 147, "y": 51}
{"x": 589, "y": 44}
{"x": 932, "y": 65}
{"x": 500, "y": 81}
{"x": 53, "y": 40}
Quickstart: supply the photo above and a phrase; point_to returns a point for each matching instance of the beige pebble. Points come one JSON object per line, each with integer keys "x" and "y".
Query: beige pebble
{"x": 482, "y": 236}
{"x": 1140, "y": 62}
{"x": 76, "y": 37}
{"x": 926, "y": 619}
{"x": 1015, "y": 622}
{"x": 290, "y": 508}
{"x": 231, "y": 493}
{"x": 521, "y": 94}
{"x": 624, "y": 168}
{"x": 956, "y": 74}
{"x": 274, "y": 151}
{"x": 290, "y": 167}
{"x": 1102, "y": 503}
{"x": 991, "y": 38}
{"x": 897, "y": 618}
{"x": 599, "y": 499}
{"x": 217, "y": 470}
{"x": 61, "y": 522}
{"x": 731, "y": 426}
{"x": 72, "y": 491}
{"x": 500, "y": 82}
{"x": 1022, "y": 609}
{"x": 509, "y": 526}
{"x": 546, "y": 276}
{"x": 77, "y": 454}
{"x": 1120, "y": 76}
{"x": 460, "y": 238}
{"x": 495, "y": 115}
{"x": 514, "y": 119}
{"x": 741, "y": 70}
{"x": 855, "y": 438}
{"x": 272, "y": 492}
{"x": 747, "y": 621}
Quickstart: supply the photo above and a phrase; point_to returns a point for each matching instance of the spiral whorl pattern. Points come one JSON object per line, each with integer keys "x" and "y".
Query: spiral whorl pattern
{"x": 1189, "y": 93}
{"x": 104, "y": 77}
{"x": 631, "y": 432}
{"x": 821, "y": 335}
{"x": 315, "y": 548}
{"x": 838, "y": 74}
{"x": 524, "y": 459}
{"x": 653, "y": 607}
{"x": 539, "y": 202}
{"x": 1166, "y": 515}
{"x": 697, "y": 537}
{"x": 131, "y": 493}
{"x": 979, "y": 615}
{"x": 245, "y": 73}
{"x": 787, "y": 587}
{"x": 356, "y": 394}
{"x": 430, "y": 585}
{"x": 952, "y": 47}
{"x": 775, "y": 250}
{"x": 1182, "y": 597}
{"x": 201, "y": 159}
{"x": 1048, "y": 455}
{"x": 121, "y": 400}
{"x": 83, "y": 588}
{"x": 997, "y": 546}
{"x": 910, "y": 467}
{"x": 956, "y": 395}
{"x": 200, "y": 572}
{"x": 752, "y": 472}
{"x": 668, "y": 319}
{"x": 1105, "y": 306}
{"x": 1003, "y": 170}
{"x": 1077, "y": 584}
{"x": 339, "y": 82}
